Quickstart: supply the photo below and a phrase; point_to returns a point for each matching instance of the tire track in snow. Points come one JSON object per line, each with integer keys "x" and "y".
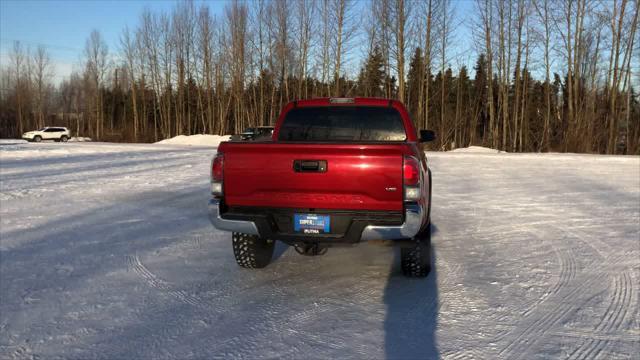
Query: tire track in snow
{"x": 586, "y": 335}
{"x": 611, "y": 320}
{"x": 620, "y": 305}
{"x": 568, "y": 265}
{"x": 507, "y": 229}
{"x": 23, "y": 352}
{"x": 133, "y": 263}
{"x": 621, "y": 259}
{"x": 568, "y": 273}
{"x": 467, "y": 354}
{"x": 561, "y": 306}
{"x": 238, "y": 342}
{"x": 459, "y": 355}
{"x": 268, "y": 316}
{"x": 538, "y": 327}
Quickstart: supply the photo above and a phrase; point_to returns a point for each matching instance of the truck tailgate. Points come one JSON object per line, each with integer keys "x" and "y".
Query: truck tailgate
{"x": 356, "y": 176}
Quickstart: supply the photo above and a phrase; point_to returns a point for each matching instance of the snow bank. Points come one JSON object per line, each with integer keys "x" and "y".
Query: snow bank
{"x": 80, "y": 139}
{"x": 477, "y": 149}
{"x": 197, "y": 140}
{"x": 12, "y": 141}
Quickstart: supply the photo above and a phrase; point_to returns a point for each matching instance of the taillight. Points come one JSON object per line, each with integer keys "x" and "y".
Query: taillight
{"x": 411, "y": 171}
{"x": 411, "y": 178}
{"x": 217, "y": 172}
{"x": 217, "y": 168}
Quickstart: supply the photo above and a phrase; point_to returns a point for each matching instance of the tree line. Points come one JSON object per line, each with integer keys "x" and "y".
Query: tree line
{"x": 549, "y": 75}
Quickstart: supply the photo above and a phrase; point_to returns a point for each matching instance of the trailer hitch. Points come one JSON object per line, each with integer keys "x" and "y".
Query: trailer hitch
{"x": 310, "y": 249}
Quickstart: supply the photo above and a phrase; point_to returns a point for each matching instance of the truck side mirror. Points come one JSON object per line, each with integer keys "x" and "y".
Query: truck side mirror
{"x": 427, "y": 135}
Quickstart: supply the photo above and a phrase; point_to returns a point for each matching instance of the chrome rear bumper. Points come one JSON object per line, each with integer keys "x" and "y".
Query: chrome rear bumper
{"x": 246, "y": 227}
{"x": 413, "y": 220}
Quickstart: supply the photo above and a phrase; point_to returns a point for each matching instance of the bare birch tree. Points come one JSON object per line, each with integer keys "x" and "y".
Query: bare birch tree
{"x": 96, "y": 53}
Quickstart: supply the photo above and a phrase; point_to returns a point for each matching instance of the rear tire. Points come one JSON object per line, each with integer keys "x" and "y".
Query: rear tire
{"x": 251, "y": 251}
{"x": 64, "y": 138}
{"x": 416, "y": 260}
{"x": 37, "y": 139}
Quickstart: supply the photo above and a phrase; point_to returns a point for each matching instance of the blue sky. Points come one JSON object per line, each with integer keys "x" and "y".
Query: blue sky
{"x": 64, "y": 25}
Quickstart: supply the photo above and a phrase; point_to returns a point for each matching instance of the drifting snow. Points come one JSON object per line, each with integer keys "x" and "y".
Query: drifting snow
{"x": 196, "y": 140}
{"x": 477, "y": 149}
{"x": 107, "y": 252}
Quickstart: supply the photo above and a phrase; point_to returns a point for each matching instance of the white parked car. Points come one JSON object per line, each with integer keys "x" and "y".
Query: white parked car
{"x": 48, "y": 133}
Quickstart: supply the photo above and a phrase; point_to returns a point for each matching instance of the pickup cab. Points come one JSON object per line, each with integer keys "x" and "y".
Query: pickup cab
{"x": 336, "y": 172}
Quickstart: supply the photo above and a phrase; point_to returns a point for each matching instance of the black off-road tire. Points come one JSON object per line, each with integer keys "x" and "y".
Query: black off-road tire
{"x": 251, "y": 251}
{"x": 64, "y": 138}
{"x": 37, "y": 138}
{"x": 416, "y": 260}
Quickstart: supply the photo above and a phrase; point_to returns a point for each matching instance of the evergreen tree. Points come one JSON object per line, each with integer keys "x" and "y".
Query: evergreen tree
{"x": 462, "y": 108}
{"x": 372, "y": 74}
{"x": 480, "y": 117}
{"x": 413, "y": 83}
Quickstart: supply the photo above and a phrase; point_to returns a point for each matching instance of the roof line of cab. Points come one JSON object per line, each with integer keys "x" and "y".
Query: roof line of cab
{"x": 346, "y": 101}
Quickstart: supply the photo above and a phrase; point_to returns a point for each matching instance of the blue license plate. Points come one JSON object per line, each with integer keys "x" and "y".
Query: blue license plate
{"x": 311, "y": 223}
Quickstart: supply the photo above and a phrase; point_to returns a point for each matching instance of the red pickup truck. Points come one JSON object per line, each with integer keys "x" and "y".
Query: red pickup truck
{"x": 337, "y": 171}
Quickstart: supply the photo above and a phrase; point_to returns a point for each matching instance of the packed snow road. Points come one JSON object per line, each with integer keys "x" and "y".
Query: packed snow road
{"x": 107, "y": 252}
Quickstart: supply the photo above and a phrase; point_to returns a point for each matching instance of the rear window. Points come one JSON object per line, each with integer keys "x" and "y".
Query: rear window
{"x": 353, "y": 123}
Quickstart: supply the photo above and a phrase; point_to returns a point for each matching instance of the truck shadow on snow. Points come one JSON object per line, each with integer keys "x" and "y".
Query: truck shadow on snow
{"x": 279, "y": 250}
{"x": 412, "y": 313}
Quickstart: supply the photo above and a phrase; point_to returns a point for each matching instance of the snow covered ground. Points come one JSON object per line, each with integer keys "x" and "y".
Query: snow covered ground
{"x": 196, "y": 140}
{"x": 477, "y": 149}
{"x": 106, "y": 252}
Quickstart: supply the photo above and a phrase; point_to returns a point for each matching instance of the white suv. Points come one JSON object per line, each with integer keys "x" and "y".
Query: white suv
{"x": 48, "y": 133}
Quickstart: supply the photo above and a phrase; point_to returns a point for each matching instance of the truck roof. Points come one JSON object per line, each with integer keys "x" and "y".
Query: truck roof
{"x": 333, "y": 101}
